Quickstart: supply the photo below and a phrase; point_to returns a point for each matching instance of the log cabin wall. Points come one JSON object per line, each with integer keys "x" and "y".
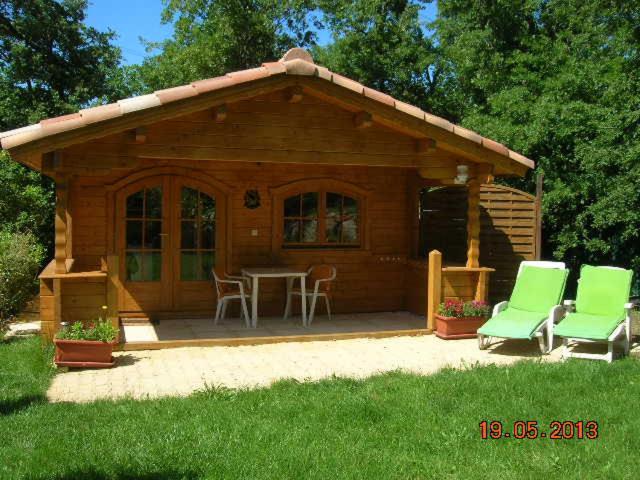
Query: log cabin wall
{"x": 260, "y": 136}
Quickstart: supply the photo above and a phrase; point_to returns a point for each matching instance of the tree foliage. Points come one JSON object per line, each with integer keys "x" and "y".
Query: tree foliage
{"x": 558, "y": 80}
{"x": 212, "y": 38}
{"x": 51, "y": 63}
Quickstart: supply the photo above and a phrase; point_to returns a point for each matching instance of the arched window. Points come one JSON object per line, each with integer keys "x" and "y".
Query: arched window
{"x": 321, "y": 219}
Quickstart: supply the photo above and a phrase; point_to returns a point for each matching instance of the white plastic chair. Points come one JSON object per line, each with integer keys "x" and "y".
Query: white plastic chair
{"x": 320, "y": 277}
{"x": 231, "y": 288}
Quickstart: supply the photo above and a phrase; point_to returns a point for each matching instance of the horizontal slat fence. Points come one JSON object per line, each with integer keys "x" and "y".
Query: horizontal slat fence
{"x": 507, "y": 235}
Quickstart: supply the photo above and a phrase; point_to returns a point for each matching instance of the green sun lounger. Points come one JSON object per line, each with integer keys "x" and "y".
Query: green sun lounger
{"x": 601, "y": 312}
{"x": 532, "y": 310}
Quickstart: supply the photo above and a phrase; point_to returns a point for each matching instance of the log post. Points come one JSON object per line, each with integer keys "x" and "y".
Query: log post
{"x": 434, "y": 286}
{"x": 539, "y": 187}
{"x": 482, "y": 288}
{"x": 61, "y": 220}
{"x": 473, "y": 225}
{"x": 113, "y": 282}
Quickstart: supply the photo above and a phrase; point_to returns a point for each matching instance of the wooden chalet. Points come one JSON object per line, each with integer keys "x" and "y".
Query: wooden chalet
{"x": 153, "y": 191}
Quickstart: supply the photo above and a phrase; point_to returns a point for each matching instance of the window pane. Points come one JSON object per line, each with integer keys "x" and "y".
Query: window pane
{"x": 189, "y": 202}
{"x": 152, "y": 231}
{"x": 188, "y": 266}
{"x": 350, "y": 230}
{"x": 207, "y": 208}
{"x": 291, "y": 231}
{"x": 134, "y": 233}
{"x": 208, "y": 236}
{"x": 207, "y": 262}
{"x": 334, "y": 229}
{"x": 350, "y": 206}
{"x": 310, "y": 231}
{"x": 334, "y": 204}
{"x": 153, "y": 205}
{"x": 292, "y": 206}
{"x": 189, "y": 235}
{"x": 134, "y": 204}
{"x": 310, "y": 204}
{"x": 133, "y": 265}
{"x": 152, "y": 266}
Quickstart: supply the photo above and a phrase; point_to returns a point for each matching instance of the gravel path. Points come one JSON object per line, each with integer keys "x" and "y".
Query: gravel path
{"x": 181, "y": 371}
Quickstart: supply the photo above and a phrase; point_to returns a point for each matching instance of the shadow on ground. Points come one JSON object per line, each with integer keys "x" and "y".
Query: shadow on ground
{"x": 91, "y": 474}
{"x": 10, "y": 407}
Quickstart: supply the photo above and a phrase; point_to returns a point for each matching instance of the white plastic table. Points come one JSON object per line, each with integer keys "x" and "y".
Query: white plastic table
{"x": 275, "y": 272}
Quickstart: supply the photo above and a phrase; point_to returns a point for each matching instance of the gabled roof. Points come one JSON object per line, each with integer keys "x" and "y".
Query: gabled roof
{"x": 296, "y": 62}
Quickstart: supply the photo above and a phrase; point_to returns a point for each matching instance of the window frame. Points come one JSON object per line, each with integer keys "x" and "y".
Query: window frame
{"x": 321, "y": 186}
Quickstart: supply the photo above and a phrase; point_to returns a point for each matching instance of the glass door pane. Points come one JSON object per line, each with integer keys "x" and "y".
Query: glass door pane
{"x": 143, "y": 235}
{"x": 197, "y": 235}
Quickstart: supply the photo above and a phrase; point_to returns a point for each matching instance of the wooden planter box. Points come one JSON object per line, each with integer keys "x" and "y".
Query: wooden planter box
{"x": 451, "y": 328}
{"x": 84, "y": 354}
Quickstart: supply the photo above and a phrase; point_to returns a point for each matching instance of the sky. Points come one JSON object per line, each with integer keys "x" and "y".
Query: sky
{"x": 132, "y": 19}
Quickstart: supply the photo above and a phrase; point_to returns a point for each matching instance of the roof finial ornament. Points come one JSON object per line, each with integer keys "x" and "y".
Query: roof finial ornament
{"x": 297, "y": 53}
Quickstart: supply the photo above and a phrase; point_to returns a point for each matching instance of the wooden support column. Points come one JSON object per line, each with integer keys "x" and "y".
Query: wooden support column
{"x": 473, "y": 225}
{"x": 57, "y": 305}
{"x": 113, "y": 284}
{"x": 434, "y": 287}
{"x": 61, "y": 223}
{"x": 482, "y": 288}
{"x": 538, "y": 238}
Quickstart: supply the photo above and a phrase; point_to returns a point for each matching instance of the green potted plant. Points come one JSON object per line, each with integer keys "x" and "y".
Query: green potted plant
{"x": 458, "y": 319}
{"x": 87, "y": 345}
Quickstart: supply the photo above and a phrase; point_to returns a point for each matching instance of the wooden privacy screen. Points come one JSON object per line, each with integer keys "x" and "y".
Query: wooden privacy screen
{"x": 507, "y": 235}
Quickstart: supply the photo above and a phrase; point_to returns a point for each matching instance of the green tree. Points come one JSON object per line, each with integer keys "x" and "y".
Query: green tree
{"x": 384, "y": 45}
{"x": 212, "y": 38}
{"x": 51, "y": 63}
{"x": 559, "y": 81}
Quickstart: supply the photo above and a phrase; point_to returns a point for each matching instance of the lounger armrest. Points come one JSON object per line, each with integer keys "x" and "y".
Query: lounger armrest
{"x": 499, "y": 307}
{"x": 569, "y": 305}
{"x": 556, "y": 314}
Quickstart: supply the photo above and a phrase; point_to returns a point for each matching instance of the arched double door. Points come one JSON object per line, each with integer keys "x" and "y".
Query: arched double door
{"x": 170, "y": 234}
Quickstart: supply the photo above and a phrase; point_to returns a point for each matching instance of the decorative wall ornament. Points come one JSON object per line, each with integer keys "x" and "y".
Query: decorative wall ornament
{"x": 252, "y": 199}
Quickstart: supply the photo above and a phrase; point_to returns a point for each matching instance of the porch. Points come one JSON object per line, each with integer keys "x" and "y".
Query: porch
{"x": 231, "y": 331}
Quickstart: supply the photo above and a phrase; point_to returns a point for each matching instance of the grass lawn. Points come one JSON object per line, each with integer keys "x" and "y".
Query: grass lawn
{"x": 390, "y": 426}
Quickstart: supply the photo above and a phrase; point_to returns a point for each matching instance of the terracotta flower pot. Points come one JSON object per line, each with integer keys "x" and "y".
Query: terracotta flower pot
{"x": 84, "y": 354}
{"x": 451, "y": 328}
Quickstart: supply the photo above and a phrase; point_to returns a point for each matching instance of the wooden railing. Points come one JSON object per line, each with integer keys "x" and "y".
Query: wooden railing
{"x": 462, "y": 283}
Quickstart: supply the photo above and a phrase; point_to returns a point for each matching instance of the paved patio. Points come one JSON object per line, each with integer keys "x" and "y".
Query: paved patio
{"x": 181, "y": 371}
{"x": 233, "y": 327}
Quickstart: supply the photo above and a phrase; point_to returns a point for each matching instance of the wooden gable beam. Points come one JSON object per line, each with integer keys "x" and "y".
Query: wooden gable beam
{"x": 425, "y": 145}
{"x": 219, "y": 113}
{"x": 293, "y": 94}
{"x": 362, "y": 120}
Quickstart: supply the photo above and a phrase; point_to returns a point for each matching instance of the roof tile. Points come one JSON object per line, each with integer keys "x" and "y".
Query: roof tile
{"x": 300, "y": 67}
{"x": 62, "y": 118}
{"x": 176, "y": 93}
{"x": 275, "y": 67}
{"x": 410, "y": 109}
{"x": 211, "y": 84}
{"x": 25, "y": 135}
{"x": 521, "y": 159}
{"x": 324, "y": 73}
{"x": 348, "y": 83}
{"x": 248, "y": 75}
{"x": 100, "y": 113}
{"x": 142, "y": 102}
{"x": 438, "y": 122}
{"x": 379, "y": 96}
{"x": 468, "y": 134}
{"x": 495, "y": 146}
{"x": 61, "y": 124}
